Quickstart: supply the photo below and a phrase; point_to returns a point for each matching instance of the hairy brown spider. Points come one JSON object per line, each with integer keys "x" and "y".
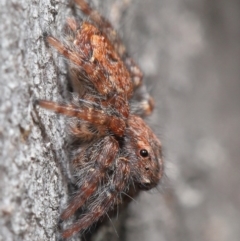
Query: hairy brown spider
{"x": 117, "y": 152}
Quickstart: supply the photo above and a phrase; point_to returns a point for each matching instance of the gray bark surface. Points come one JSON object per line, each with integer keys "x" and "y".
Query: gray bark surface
{"x": 190, "y": 54}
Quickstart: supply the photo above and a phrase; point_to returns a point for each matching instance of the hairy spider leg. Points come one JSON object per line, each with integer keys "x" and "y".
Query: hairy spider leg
{"x": 146, "y": 103}
{"x": 85, "y": 131}
{"x": 142, "y": 104}
{"x": 107, "y": 198}
{"x": 94, "y": 116}
{"x": 106, "y": 156}
{"x": 71, "y": 22}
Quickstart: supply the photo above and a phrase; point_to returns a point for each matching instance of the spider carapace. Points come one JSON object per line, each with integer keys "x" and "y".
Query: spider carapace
{"x": 116, "y": 152}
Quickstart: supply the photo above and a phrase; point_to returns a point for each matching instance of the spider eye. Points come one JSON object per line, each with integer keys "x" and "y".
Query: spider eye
{"x": 144, "y": 153}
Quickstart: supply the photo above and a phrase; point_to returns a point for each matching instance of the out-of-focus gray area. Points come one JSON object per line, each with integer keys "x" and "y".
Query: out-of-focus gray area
{"x": 190, "y": 54}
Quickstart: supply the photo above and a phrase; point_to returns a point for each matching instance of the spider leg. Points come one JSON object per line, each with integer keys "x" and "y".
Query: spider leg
{"x": 107, "y": 152}
{"x": 94, "y": 116}
{"x": 67, "y": 52}
{"x": 72, "y": 24}
{"x": 142, "y": 104}
{"x": 135, "y": 72}
{"x": 85, "y": 131}
{"x": 108, "y": 197}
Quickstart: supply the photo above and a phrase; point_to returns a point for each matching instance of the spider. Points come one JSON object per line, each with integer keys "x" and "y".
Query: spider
{"x": 115, "y": 152}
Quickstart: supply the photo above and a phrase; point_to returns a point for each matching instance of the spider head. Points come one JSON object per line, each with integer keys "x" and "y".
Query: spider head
{"x": 145, "y": 154}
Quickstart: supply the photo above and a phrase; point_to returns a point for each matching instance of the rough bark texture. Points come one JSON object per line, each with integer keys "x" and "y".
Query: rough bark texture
{"x": 190, "y": 53}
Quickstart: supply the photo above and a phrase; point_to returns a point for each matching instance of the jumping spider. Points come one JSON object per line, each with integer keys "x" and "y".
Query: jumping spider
{"x": 116, "y": 152}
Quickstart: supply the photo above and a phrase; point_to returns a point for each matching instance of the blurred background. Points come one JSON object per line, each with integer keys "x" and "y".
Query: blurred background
{"x": 190, "y": 54}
